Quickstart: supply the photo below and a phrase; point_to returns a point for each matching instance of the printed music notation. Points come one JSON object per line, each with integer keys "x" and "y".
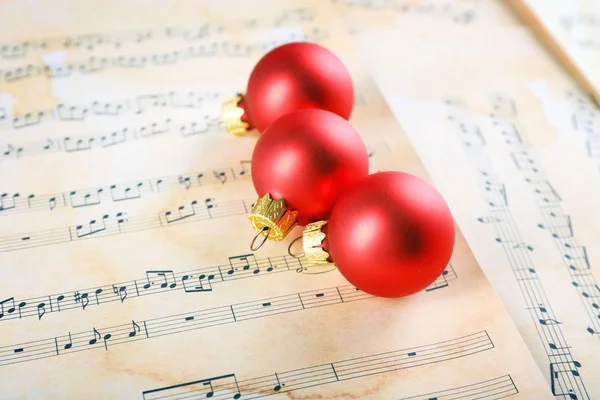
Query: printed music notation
{"x": 586, "y": 119}
{"x": 496, "y": 388}
{"x": 116, "y": 40}
{"x": 119, "y": 223}
{"x": 80, "y": 143}
{"x": 461, "y": 11}
{"x": 14, "y": 203}
{"x": 171, "y": 100}
{"x": 200, "y": 280}
{"x": 568, "y": 383}
{"x": 555, "y": 220}
{"x": 195, "y": 52}
{"x": 169, "y": 325}
{"x": 228, "y": 386}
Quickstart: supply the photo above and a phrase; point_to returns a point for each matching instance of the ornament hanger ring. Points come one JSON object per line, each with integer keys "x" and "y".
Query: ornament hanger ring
{"x": 299, "y": 255}
{"x": 265, "y": 229}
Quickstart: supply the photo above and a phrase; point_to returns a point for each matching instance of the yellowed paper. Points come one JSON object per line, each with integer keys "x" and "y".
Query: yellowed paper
{"x": 124, "y": 240}
{"x": 572, "y": 30}
{"x": 365, "y": 15}
{"x": 521, "y": 189}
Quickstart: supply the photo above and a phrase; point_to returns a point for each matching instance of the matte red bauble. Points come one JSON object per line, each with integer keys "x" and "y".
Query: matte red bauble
{"x": 391, "y": 235}
{"x": 300, "y": 166}
{"x": 288, "y": 78}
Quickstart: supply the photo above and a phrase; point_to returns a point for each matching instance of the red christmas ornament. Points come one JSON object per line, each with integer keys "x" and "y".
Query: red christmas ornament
{"x": 300, "y": 165}
{"x": 391, "y": 235}
{"x": 288, "y": 78}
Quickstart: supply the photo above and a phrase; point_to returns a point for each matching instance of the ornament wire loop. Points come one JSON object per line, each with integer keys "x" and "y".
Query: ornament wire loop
{"x": 299, "y": 255}
{"x": 256, "y": 237}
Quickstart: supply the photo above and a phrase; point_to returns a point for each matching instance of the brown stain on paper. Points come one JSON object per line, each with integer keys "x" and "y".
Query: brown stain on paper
{"x": 31, "y": 94}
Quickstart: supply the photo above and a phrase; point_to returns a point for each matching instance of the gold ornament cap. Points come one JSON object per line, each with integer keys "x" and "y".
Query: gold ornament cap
{"x": 232, "y": 116}
{"x": 312, "y": 239}
{"x": 272, "y": 218}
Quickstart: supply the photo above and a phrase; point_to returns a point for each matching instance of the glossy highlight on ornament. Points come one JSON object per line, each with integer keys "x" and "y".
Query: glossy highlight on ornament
{"x": 291, "y": 77}
{"x": 308, "y": 158}
{"x": 391, "y": 235}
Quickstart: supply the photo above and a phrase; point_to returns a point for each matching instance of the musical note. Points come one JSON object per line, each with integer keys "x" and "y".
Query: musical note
{"x": 92, "y": 227}
{"x": 488, "y": 220}
{"x": 524, "y": 161}
{"x": 136, "y": 329}
{"x": 51, "y": 203}
{"x": 182, "y": 213}
{"x": 85, "y": 199}
{"x": 120, "y": 223}
{"x": 4, "y": 204}
{"x": 180, "y": 55}
{"x": 244, "y": 168}
{"x": 106, "y": 338}
{"x": 97, "y": 336}
{"x": 202, "y": 319}
{"x": 165, "y": 276}
{"x": 125, "y": 193}
{"x": 185, "y": 181}
{"x": 82, "y": 298}
{"x": 497, "y": 194}
{"x": 280, "y": 382}
{"x": 509, "y": 131}
{"x": 221, "y": 176}
{"x": 203, "y": 284}
{"x": 545, "y": 191}
{"x": 557, "y": 372}
{"x": 10, "y": 302}
{"x": 575, "y": 254}
{"x": 155, "y": 128}
{"x": 70, "y": 344}
{"x": 120, "y": 291}
{"x": 558, "y": 224}
{"x": 58, "y": 300}
{"x": 148, "y": 101}
{"x": 507, "y": 231}
{"x": 241, "y": 262}
{"x": 41, "y": 310}
{"x": 71, "y": 113}
{"x": 10, "y": 151}
{"x": 549, "y": 321}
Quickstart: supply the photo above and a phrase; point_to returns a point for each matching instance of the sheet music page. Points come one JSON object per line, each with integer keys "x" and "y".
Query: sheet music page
{"x": 574, "y": 27}
{"x": 480, "y": 112}
{"x": 364, "y": 15}
{"x": 124, "y": 244}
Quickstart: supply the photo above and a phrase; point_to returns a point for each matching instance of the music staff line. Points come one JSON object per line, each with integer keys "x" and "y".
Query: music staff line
{"x": 491, "y": 389}
{"x": 229, "y": 387}
{"x": 107, "y": 337}
{"x": 157, "y": 281}
{"x": 116, "y": 40}
{"x": 98, "y": 64}
{"x": 140, "y": 104}
{"x": 585, "y": 118}
{"x": 15, "y": 203}
{"x": 463, "y": 14}
{"x": 555, "y": 221}
{"x": 565, "y": 378}
{"x": 121, "y": 223}
{"x": 81, "y": 143}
